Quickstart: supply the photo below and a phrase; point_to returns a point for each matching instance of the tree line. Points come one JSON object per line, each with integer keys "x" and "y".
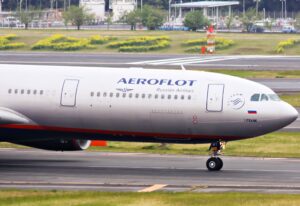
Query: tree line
{"x": 269, "y": 5}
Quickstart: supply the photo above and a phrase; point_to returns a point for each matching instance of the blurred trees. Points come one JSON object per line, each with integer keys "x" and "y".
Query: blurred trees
{"x": 77, "y": 16}
{"x": 269, "y": 5}
{"x": 27, "y": 16}
{"x": 297, "y": 25}
{"x": 150, "y": 17}
{"x": 249, "y": 19}
{"x": 195, "y": 20}
{"x": 133, "y": 18}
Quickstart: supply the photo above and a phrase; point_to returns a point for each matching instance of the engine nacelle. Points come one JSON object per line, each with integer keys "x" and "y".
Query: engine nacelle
{"x": 58, "y": 144}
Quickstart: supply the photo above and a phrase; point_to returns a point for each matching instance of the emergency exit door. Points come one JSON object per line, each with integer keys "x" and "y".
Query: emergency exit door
{"x": 69, "y": 93}
{"x": 214, "y": 101}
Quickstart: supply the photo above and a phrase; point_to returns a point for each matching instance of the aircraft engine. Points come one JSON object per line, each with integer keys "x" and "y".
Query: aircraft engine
{"x": 58, "y": 144}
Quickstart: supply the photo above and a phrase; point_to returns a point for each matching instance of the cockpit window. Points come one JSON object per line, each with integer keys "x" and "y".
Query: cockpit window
{"x": 255, "y": 97}
{"x": 274, "y": 97}
{"x": 264, "y": 97}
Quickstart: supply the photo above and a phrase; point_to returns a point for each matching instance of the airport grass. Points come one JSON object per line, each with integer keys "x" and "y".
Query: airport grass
{"x": 91, "y": 198}
{"x": 251, "y": 74}
{"x": 291, "y": 98}
{"x": 277, "y": 144}
{"x": 257, "y": 44}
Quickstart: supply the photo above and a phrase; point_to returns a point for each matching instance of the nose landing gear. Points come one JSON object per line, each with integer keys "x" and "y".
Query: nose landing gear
{"x": 215, "y": 163}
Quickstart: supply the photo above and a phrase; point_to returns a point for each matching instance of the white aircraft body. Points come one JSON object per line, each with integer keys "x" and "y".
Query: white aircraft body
{"x": 63, "y": 108}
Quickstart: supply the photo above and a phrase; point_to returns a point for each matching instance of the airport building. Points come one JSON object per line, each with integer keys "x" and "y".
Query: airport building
{"x": 117, "y": 7}
{"x": 121, "y": 7}
{"x": 96, "y": 7}
{"x": 211, "y": 9}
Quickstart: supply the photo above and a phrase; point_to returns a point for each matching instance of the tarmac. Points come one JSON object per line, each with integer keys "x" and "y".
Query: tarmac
{"x": 107, "y": 171}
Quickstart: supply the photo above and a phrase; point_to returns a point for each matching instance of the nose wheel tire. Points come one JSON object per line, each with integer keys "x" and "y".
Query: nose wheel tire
{"x": 214, "y": 164}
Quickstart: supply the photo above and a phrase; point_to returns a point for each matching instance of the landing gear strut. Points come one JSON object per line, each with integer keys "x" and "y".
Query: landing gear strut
{"x": 215, "y": 163}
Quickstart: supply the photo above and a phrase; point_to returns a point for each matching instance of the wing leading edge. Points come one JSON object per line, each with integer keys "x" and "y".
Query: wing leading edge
{"x": 8, "y": 116}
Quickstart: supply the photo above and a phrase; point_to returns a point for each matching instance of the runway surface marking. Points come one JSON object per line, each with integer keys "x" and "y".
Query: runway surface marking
{"x": 153, "y": 188}
{"x": 204, "y": 59}
{"x": 178, "y": 169}
{"x": 186, "y": 60}
{"x": 243, "y": 62}
{"x": 150, "y": 188}
{"x": 93, "y": 63}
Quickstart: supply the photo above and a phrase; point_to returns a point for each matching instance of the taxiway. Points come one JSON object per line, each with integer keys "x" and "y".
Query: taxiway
{"x": 36, "y": 169}
{"x": 240, "y": 62}
{"x": 167, "y": 61}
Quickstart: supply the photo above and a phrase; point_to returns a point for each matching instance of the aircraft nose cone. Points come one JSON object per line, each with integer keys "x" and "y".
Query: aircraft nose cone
{"x": 291, "y": 114}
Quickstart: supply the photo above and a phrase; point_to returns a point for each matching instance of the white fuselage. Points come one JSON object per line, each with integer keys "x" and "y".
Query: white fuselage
{"x": 131, "y": 104}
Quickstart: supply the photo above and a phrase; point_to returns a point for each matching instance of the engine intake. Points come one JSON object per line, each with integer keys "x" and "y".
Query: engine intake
{"x": 58, "y": 144}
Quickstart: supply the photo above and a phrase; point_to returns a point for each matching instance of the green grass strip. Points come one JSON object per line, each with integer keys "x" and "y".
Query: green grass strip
{"x": 293, "y": 99}
{"x": 283, "y": 144}
{"x": 262, "y": 44}
{"x": 58, "y": 198}
{"x": 258, "y": 74}
{"x": 255, "y": 147}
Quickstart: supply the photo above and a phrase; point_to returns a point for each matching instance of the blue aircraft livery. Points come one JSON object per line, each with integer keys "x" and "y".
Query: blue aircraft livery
{"x": 162, "y": 82}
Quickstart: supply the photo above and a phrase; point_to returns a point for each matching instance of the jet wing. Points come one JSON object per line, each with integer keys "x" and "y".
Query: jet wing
{"x": 8, "y": 116}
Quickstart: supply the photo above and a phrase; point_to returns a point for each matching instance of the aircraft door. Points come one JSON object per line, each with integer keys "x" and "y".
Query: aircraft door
{"x": 214, "y": 101}
{"x": 69, "y": 93}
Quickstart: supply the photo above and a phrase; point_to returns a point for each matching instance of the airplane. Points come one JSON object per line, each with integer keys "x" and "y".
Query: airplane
{"x": 64, "y": 108}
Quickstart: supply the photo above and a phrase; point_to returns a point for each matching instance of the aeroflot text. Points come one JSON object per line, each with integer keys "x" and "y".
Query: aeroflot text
{"x": 168, "y": 82}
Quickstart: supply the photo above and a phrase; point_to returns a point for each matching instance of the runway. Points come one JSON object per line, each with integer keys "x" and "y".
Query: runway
{"x": 241, "y": 62}
{"x": 36, "y": 169}
{"x": 281, "y": 85}
{"x": 168, "y": 61}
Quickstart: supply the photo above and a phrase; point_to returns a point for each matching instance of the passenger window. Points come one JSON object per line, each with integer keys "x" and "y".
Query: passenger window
{"x": 130, "y": 95}
{"x": 182, "y": 97}
{"x": 162, "y": 96}
{"x": 149, "y": 96}
{"x": 22, "y": 91}
{"x": 176, "y": 96}
{"x": 169, "y": 96}
{"x": 92, "y": 94}
{"x": 104, "y": 94}
{"x": 124, "y": 95}
{"x": 16, "y": 91}
{"x": 255, "y": 97}
{"x": 41, "y": 92}
{"x": 9, "y": 91}
{"x": 264, "y": 97}
{"x": 98, "y": 94}
{"x": 189, "y": 97}
{"x": 111, "y": 94}
{"x": 136, "y": 95}
{"x": 117, "y": 95}
{"x": 28, "y": 91}
{"x": 143, "y": 96}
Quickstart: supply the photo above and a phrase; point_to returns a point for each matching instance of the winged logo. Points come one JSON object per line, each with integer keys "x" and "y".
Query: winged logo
{"x": 236, "y": 101}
